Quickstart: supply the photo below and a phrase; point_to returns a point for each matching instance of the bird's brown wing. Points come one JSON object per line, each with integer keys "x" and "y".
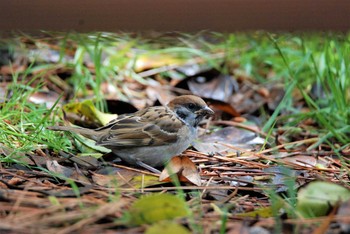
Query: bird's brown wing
{"x": 154, "y": 126}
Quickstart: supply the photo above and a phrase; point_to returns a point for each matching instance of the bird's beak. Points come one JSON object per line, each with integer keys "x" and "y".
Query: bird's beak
{"x": 206, "y": 111}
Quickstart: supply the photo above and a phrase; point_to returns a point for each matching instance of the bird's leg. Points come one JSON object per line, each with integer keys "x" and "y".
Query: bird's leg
{"x": 148, "y": 167}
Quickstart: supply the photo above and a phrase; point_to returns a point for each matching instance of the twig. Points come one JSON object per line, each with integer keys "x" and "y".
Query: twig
{"x": 134, "y": 169}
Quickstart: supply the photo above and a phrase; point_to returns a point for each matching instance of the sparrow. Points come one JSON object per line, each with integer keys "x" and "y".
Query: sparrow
{"x": 150, "y": 137}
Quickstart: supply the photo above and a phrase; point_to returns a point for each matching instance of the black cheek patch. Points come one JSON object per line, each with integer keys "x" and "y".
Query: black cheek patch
{"x": 181, "y": 114}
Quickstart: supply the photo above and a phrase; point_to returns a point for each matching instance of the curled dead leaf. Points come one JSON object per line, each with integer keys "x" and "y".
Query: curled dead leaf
{"x": 185, "y": 169}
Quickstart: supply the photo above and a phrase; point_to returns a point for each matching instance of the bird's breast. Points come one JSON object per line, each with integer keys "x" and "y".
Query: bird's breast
{"x": 158, "y": 155}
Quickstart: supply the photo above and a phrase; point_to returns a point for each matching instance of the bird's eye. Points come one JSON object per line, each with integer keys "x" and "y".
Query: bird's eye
{"x": 191, "y": 106}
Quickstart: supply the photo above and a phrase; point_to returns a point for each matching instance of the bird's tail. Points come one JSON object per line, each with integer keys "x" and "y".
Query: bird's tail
{"x": 88, "y": 133}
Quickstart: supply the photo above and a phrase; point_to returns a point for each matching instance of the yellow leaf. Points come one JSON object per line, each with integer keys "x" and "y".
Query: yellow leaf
{"x": 149, "y": 61}
{"x": 167, "y": 227}
{"x": 87, "y": 109}
{"x": 156, "y": 207}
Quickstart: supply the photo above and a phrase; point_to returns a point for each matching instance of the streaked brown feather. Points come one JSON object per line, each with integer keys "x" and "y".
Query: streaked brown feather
{"x": 141, "y": 129}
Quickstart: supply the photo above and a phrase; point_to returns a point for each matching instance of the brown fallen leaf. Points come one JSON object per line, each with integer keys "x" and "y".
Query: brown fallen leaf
{"x": 219, "y": 87}
{"x": 218, "y": 105}
{"x": 74, "y": 174}
{"x": 219, "y": 140}
{"x": 185, "y": 169}
{"x": 53, "y": 166}
{"x": 301, "y": 160}
{"x": 119, "y": 177}
{"x": 159, "y": 93}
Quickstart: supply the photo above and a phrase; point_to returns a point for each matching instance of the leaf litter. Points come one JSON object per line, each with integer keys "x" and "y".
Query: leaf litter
{"x": 235, "y": 176}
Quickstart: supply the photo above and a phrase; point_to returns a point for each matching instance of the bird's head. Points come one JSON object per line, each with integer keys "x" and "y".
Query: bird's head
{"x": 191, "y": 109}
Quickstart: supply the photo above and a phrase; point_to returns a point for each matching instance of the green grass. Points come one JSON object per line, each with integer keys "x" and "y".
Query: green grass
{"x": 317, "y": 65}
{"x": 22, "y": 123}
{"x": 305, "y": 62}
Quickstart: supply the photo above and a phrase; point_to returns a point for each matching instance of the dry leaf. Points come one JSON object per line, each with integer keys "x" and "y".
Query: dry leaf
{"x": 53, "y": 166}
{"x": 67, "y": 172}
{"x": 118, "y": 177}
{"x": 218, "y": 141}
{"x": 124, "y": 178}
{"x": 185, "y": 169}
{"x": 305, "y": 161}
{"x": 217, "y": 88}
{"x": 225, "y": 107}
